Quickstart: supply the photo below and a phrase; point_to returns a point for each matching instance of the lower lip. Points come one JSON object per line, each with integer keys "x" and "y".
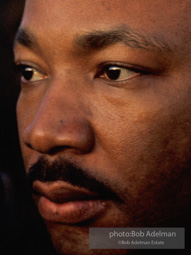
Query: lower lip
{"x": 70, "y": 212}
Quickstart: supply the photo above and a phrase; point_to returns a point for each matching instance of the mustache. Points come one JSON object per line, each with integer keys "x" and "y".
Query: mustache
{"x": 64, "y": 170}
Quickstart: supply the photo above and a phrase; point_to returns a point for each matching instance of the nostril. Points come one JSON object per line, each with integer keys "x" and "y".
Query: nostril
{"x": 28, "y": 145}
{"x": 56, "y": 150}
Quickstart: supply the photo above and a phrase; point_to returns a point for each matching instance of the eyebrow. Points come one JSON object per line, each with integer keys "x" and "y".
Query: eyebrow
{"x": 25, "y": 38}
{"x": 97, "y": 40}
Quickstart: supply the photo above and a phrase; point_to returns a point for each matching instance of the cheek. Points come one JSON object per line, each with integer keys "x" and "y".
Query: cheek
{"x": 25, "y": 115}
{"x": 21, "y": 119}
{"x": 151, "y": 161}
{"x": 143, "y": 145}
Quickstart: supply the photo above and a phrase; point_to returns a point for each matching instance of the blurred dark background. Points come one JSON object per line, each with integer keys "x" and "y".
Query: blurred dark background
{"x": 21, "y": 229}
{"x": 10, "y": 15}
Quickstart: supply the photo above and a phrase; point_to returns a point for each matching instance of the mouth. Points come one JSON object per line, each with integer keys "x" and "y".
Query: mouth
{"x": 63, "y": 203}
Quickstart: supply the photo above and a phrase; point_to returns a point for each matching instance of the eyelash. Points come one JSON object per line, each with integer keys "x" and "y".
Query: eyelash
{"x": 21, "y": 68}
{"x": 101, "y": 72}
{"x": 131, "y": 68}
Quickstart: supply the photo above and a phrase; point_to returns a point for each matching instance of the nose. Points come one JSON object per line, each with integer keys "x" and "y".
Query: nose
{"x": 59, "y": 123}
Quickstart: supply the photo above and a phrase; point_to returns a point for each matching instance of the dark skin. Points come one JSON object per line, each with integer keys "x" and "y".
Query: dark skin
{"x": 106, "y": 86}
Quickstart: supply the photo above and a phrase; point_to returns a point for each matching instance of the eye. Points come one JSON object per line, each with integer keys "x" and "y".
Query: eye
{"x": 30, "y": 74}
{"x": 116, "y": 73}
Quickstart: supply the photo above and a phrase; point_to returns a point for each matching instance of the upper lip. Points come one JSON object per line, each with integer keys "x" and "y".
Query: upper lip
{"x": 61, "y": 192}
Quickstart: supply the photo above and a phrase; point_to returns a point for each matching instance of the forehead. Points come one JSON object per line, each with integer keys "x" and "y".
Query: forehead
{"x": 90, "y": 14}
{"x": 62, "y": 19}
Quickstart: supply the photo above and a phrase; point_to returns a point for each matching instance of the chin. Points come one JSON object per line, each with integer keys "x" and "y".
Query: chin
{"x": 74, "y": 240}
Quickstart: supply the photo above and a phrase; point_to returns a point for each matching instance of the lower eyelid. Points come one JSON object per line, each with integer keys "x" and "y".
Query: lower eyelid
{"x": 136, "y": 82}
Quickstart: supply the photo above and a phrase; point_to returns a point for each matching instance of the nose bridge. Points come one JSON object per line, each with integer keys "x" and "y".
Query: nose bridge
{"x": 57, "y": 105}
{"x": 59, "y": 123}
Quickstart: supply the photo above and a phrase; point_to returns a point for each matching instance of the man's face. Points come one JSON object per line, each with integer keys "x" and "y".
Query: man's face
{"x": 104, "y": 114}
